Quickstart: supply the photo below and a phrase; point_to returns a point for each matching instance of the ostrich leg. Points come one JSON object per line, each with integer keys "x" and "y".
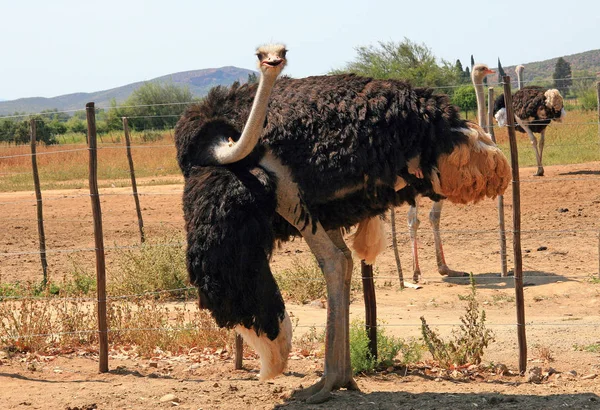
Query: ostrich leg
{"x": 434, "y": 218}
{"x": 413, "y": 226}
{"x": 538, "y": 156}
{"x": 542, "y": 140}
{"x": 335, "y": 260}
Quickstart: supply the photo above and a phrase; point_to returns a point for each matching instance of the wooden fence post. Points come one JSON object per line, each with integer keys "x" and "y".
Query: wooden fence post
{"x": 598, "y": 97}
{"x": 98, "y": 237}
{"x": 239, "y": 351}
{"x": 38, "y": 197}
{"x": 133, "y": 182}
{"x": 516, "y": 193}
{"x": 395, "y": 247}
{"x": 501, "y": 223}
{"x": 370, "y": 306}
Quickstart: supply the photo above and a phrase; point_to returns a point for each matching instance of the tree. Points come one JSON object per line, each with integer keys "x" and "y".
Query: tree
{"x": 405, "y": 60}
{"x": 152, "y": 105}
{"x": 465, "y": 98}
{"x": 252, "y": 78}
{"x": 463, "y": 75}
{"x": 562, "y": 76}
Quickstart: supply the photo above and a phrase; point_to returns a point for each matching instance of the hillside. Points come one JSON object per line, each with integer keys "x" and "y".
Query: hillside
{"x": 541, "y": 71}
{"x": 198, "y": 81}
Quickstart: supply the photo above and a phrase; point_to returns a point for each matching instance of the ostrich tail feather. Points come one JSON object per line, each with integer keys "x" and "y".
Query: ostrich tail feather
{"x": 474, "y": 170}
{"x": 369, "y": 239}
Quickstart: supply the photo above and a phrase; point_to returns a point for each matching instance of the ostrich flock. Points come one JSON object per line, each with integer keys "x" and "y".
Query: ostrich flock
{"x": 311, "y": 158}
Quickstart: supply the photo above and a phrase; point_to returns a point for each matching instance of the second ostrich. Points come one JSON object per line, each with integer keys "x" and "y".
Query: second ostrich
{"x": 478, "y": 73}
{"x": 335, "y": 151}
{"x": 534, "y": 108}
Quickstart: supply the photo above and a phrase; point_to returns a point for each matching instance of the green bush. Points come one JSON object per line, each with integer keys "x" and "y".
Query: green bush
{"x": 470, "y": 340}
{"x": 388, "y": 348}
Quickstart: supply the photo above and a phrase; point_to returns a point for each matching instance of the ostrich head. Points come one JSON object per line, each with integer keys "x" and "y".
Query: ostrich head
{"x": 479, "y": 72}
{"x": 554, "y": 105}
{"x": 271, "y": 59}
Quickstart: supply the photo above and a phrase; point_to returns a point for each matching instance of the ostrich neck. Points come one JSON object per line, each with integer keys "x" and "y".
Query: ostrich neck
{"x": 227, "y": 153}
{"x": 481, "y": 112}
{"x": 519, "y": 80}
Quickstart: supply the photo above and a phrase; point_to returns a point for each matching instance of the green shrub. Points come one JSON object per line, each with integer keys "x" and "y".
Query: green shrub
{"x": 388, "y": 348}
{"x": 470, "y": 340}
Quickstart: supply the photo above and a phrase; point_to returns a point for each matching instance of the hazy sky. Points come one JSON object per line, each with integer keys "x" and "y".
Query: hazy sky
{"x": 49, "y": 48}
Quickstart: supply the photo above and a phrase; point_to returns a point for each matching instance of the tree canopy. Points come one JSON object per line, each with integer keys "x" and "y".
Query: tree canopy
{"x": 405, "y": 60}
{"x": 152, "y": 106}
{"x": 562, "y": 76}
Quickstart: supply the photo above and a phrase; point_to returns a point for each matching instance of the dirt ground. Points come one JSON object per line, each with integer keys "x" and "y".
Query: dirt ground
{"x": 560, "y": 226}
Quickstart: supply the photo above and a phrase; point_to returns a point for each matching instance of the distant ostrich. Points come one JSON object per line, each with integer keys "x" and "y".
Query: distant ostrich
{"x": 534, "y": 108}
{"x": 478, "y": 73}
{"x": 336, "y": 151}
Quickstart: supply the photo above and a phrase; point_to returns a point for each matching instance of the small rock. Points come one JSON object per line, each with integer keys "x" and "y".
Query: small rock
{"x": 169, "y": 398}
{"x": 572, "y": 373}
{"x": 563, "y": 210}
{"x": 153, "y": 364}
{"x": 535, "y": 375}
{"x": 438, "y": 379}
{"x": 501, "y": 369}
{"x": 551, "y": 371}
{"x": 318, "y": 303}
{"x": 390, "y": 369}
{"x": 589, "y": 376}
{"x": 542, "y": 248}
{"x": 216, "y": 385}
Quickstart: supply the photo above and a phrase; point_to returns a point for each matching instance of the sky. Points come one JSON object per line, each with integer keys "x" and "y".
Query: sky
{"x": 51, "y": 48}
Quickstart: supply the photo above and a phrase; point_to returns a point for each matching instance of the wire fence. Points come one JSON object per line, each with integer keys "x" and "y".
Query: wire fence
{"x": 13, "y": 215}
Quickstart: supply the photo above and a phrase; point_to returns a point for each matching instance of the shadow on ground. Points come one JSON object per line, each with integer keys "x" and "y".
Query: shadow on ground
{"x": 582, "y": 172}
{"x": 493, "y": 280}
{"x": 454, "y": 401}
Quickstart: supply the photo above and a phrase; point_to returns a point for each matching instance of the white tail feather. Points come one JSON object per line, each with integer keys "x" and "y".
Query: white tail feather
{"x": 501, "y": 117}
{"x": 369, "y": 239}
{"x": 273, "y": 353}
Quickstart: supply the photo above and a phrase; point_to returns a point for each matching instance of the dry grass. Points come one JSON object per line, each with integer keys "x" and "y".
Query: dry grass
{"x": 31, "y": 324}
{"x": 573, "y": 141}
{"x": 66, "y": 165}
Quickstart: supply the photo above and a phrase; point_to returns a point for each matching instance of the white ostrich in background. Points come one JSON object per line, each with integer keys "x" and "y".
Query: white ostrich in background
{"x": 478, "y": 73}
{"x": 534, "y": 108}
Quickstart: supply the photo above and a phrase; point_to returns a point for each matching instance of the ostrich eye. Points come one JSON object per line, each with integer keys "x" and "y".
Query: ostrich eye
{"x": 283, "y": 53}
{"x": 260, "y": 56}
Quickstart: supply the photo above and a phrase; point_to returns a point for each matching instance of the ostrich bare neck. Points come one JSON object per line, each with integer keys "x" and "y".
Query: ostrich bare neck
{"x": 225, "y": 153}
{"x": 481, "y": 112}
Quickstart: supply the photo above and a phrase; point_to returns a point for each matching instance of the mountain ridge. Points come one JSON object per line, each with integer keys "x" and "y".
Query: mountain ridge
{"x": 198, "y": 81}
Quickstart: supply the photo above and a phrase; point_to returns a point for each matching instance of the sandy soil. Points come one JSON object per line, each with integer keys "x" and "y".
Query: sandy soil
{"x": 560, "y": 224}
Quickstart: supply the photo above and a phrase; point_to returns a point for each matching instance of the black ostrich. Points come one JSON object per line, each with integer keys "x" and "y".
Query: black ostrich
{"x": 534, "y": 108}
{"x": 336, "y": 151}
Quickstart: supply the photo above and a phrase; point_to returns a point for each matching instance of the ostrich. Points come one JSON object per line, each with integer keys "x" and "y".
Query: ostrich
{"x": 336, "y": 151}
{"x": 478, "y": 73}
{"x": 228, "y": 212}
{"x": 534, "y": 109}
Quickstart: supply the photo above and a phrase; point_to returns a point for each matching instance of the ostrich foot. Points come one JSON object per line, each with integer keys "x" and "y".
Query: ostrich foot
{"x": 320, "y": 392}
{"x": 417, "y": 276}
{"x": 444, "y": 270}
{"x": 539, "y": 173}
